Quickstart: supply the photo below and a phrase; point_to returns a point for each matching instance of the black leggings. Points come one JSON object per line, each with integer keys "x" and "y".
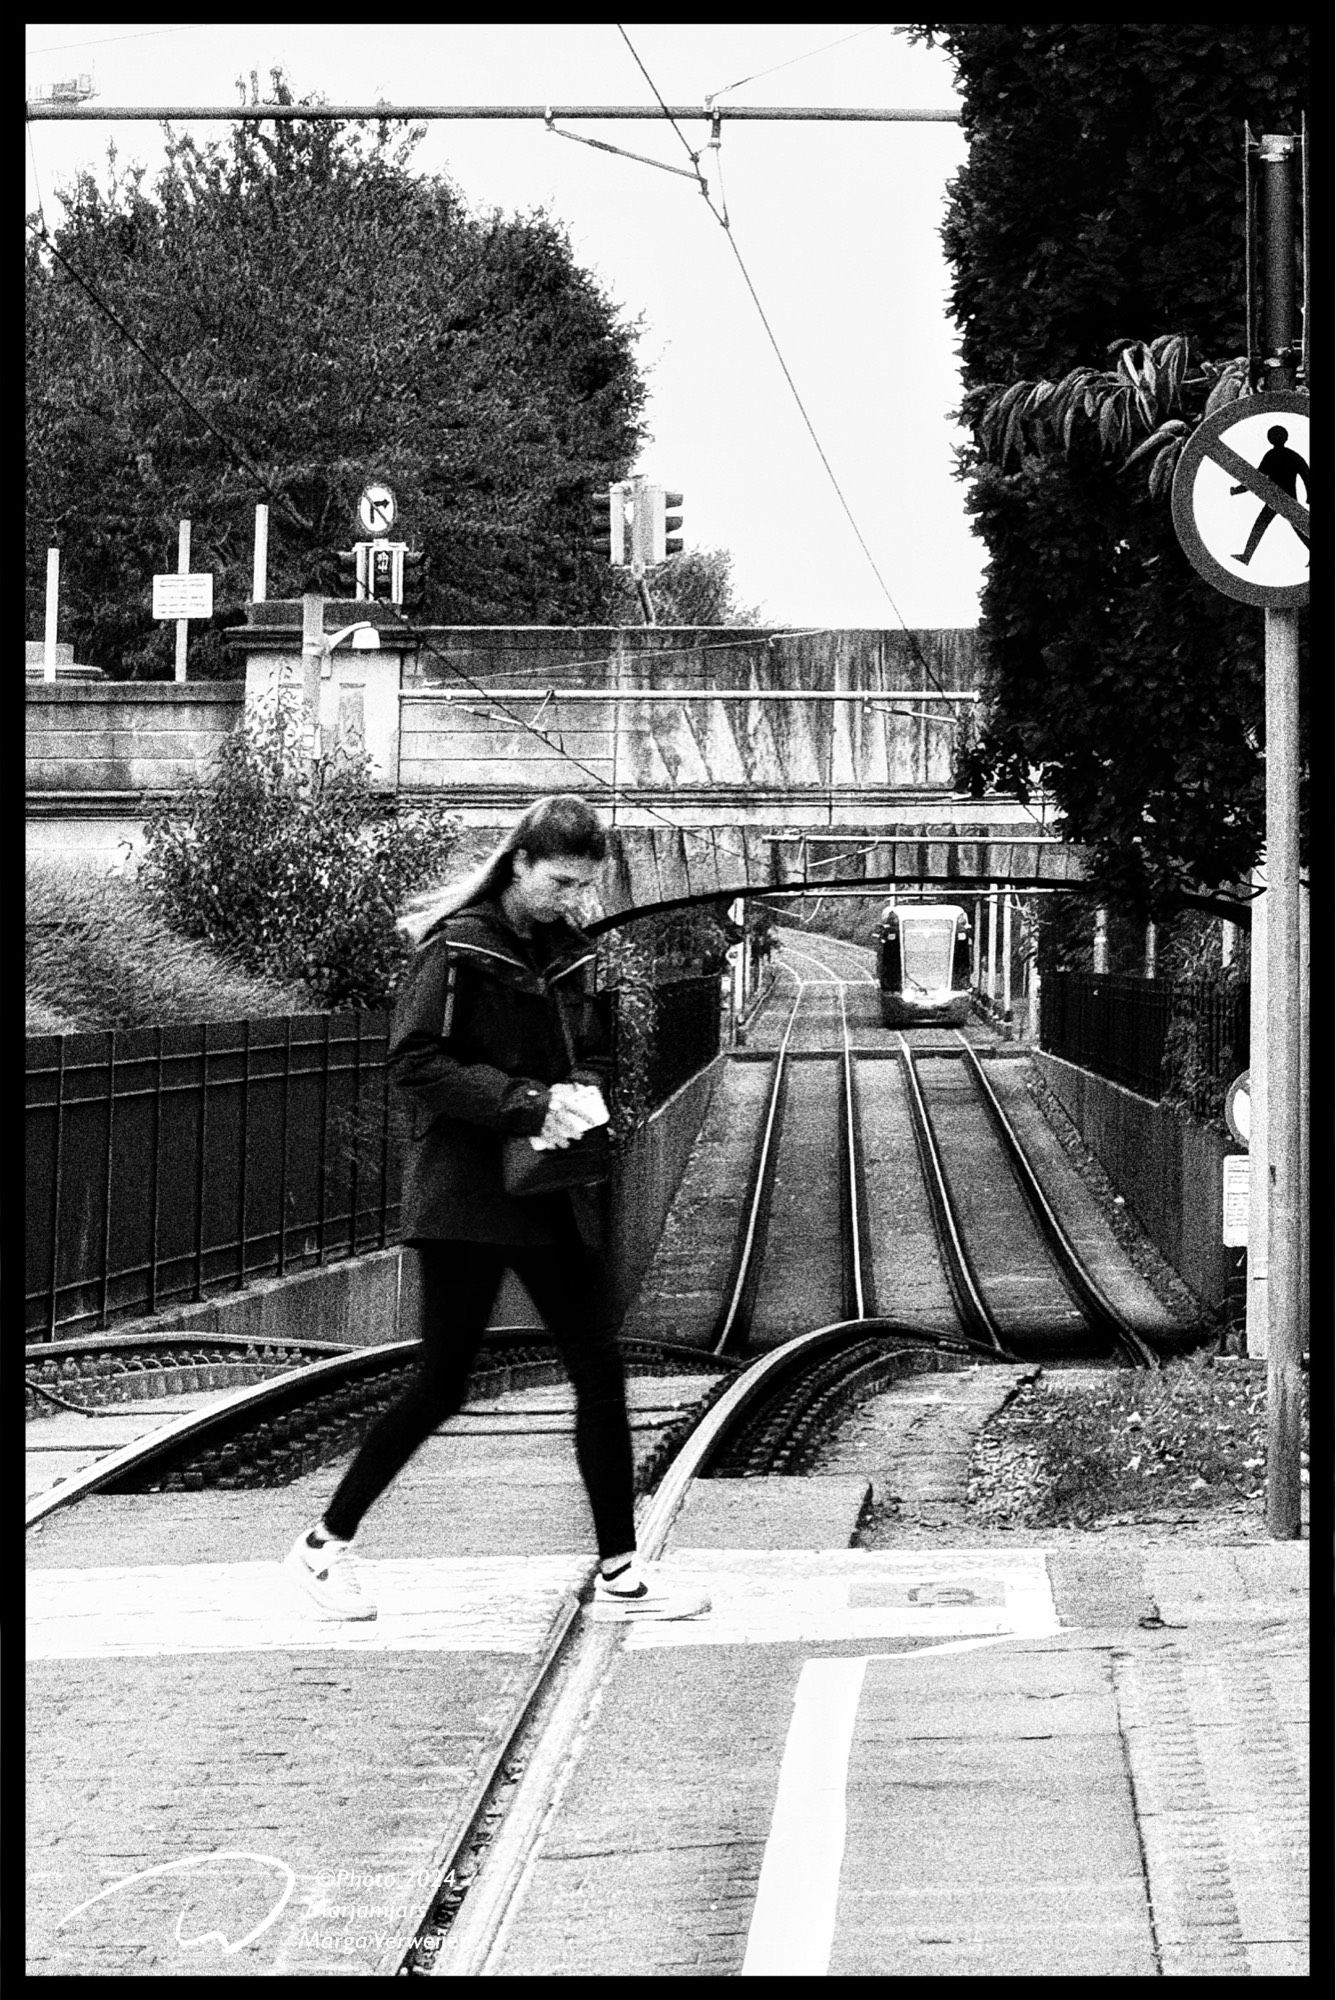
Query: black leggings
{"x": 459, "y": 1283}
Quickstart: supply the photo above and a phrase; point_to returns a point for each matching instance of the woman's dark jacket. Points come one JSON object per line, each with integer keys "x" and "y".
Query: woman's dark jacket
{"x": 475, "y": 1042}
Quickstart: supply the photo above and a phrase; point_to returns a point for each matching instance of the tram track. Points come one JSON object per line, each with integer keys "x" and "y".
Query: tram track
{"x": 268, "y": 1432}
{"x": 977, "y": 1212}
{"x": 765, "y": 1415}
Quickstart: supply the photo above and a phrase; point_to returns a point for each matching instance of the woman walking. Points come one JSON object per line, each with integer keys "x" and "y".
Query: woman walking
{"x": 494, "y": 1036}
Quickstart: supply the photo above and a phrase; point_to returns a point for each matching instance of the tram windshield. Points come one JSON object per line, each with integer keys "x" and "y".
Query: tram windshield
{"x": 926, "y": 945}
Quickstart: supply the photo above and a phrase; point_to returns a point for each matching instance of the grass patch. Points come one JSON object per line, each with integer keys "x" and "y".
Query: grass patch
{"x": 98, "y": 957}
{"x": 1190, "y": 1436}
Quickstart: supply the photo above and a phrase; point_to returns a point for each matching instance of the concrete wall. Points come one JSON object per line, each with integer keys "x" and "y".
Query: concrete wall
{"x": 648, "y": 1181}
{"x": 125, "y": 736}
{"x": 1166, "y": 1168}
{"x": 670, "y": 748}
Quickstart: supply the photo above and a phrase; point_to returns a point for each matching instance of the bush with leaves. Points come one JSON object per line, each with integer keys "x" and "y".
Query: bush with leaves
{"x": 291, "y": 862}
{"x": 626, "y": 970}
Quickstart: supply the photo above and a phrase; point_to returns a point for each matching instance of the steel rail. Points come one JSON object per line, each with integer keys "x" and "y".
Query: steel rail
{"x": 732, "y": 1325}
{"x": 1102, "y": 1316}
{"x": 197, "y": 1423}
{"x": 976, "y": 1316}
{"x": 293, "y": 1386}
{"x": 579, "y": 1658}
{"x": 856, "y": 1289}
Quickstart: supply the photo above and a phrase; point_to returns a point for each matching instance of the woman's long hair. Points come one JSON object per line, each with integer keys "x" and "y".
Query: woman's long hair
{"x": 552, "y": 826}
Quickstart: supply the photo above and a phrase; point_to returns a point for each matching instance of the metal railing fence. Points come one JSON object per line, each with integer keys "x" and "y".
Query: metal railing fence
{"x": 1155, "y": 1036}
{"x": 167, "y": 1164}
{"x": 686, "y": 1030}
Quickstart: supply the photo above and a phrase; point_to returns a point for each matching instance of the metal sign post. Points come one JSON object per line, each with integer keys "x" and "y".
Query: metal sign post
{"x": 1241, "y": 524}
{"x": 1285, "y": 1220}
{"x": 182, "y": 624}
{"x": 180, "y": 596}
{"x": 52, "y": 613}
{"x": 260, "y": 566}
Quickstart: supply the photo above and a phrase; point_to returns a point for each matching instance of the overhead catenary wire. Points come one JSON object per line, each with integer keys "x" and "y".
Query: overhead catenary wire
{"x": 559, "y": 750}
{"x": 686, "y": 144}
{"x": 234, "y": 451}
{"x": 242, "y": 459}
{"x": 727, "y": 227}
{"x": 789, "y": 62}
{"x": 105, "y": 41}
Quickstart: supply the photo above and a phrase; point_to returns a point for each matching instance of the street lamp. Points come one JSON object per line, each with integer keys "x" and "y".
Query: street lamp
{"x": 365, "y": 638}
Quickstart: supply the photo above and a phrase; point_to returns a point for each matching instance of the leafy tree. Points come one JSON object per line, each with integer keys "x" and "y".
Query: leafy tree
{"x": 338, "y": 316}
{"x": 1102, "y": 200}
{"x": 694, "y": 588}
{"x": 288, "y": 863}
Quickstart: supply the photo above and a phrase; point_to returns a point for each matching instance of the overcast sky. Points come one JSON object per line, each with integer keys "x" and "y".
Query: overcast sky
{"x": 837, "y": 225}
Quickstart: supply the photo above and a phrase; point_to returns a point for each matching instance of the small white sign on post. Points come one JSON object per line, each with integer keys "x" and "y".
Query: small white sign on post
{"x": 1238, "y": 1108}
{"x": 183, "y": 596}
{"x": 1234, "y": 1207}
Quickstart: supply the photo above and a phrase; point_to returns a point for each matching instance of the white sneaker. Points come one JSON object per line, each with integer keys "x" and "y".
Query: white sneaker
{"x": 644, "y": 1592}
{"x": 329, "y": 1575}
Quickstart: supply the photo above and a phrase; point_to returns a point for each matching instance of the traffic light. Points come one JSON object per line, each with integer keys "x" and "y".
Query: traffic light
{"x": 382, "y": 572}
{"x": 672, "y": 541}
{"x": 655, "y": 539}
{"x": 385, "y": 571}
{"x": 413, "y": 579}
{"x": 606, "y": 513}
{"x": 351, "y": 571}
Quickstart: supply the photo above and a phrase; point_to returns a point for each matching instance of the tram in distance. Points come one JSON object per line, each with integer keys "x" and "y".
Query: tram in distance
{"x": 923, "y": 964}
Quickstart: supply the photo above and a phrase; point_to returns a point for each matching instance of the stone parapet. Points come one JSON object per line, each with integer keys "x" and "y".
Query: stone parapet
{"x": 126, "y": 736}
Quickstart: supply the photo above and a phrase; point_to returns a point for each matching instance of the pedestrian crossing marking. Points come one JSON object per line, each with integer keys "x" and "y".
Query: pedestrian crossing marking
{"x": 494, "y": 1604}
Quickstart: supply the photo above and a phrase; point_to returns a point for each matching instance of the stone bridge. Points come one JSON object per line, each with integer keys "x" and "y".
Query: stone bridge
{"x": 724, "y": 759}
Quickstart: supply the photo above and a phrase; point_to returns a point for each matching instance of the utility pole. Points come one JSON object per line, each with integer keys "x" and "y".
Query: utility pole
{"x": 1285, "y": 1220}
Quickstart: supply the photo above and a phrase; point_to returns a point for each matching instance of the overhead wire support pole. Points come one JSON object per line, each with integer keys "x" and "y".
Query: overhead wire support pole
{"x": 317, "y": 114}
{"x": 1286, "y": 1221}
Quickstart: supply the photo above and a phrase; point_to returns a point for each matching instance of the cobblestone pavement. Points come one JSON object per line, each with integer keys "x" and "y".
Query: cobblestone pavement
{"x": 1119, "y": 1791}
{"x": 220, "y": 1781}
{"x": 953, "y": 1754}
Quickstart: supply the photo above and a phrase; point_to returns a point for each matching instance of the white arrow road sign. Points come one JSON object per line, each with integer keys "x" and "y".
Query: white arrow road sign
{"x": 376, "y": 510}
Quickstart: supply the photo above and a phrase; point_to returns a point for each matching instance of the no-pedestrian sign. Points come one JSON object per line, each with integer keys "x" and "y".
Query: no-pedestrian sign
{"x": 1236, "y": 501}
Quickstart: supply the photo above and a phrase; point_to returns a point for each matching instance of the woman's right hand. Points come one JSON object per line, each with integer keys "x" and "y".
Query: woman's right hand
{"x": 562, "y": 1123}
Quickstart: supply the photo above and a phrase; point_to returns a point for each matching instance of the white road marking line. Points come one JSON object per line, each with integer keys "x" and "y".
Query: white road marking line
{"x": 793, "y": 1919}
